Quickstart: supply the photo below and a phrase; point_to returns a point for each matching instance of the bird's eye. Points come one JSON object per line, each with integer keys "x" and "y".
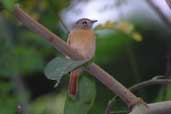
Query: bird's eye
{"x": 84, "y": 22}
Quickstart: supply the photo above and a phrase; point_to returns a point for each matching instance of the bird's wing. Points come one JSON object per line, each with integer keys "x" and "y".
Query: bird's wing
{"x": 68, "y": 43}
{"x": 68, "y": 40}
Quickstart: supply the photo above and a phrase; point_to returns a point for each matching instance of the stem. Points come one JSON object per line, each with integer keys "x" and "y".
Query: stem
{"x": 19, "y": 110}
{"x": 160, "y": 107}
{"x": 148, "y": 83}
{"x": 56, "y": 41}
{"x": 21, "y": 92}
{"x": 138, "y": 86}
{"x": 128, "y": 97}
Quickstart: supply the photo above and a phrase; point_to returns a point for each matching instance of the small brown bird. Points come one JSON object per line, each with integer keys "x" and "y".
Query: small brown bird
{"x": 81, "y": 38}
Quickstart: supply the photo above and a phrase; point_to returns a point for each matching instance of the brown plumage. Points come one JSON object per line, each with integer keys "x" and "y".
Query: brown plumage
{"x": 81, "y": 38}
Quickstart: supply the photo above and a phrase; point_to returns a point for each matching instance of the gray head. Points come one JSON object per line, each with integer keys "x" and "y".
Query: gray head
{"x": 84, "y": 23}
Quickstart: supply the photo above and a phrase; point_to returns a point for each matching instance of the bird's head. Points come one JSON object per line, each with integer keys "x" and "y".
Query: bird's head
{"x": 84, "y": 23}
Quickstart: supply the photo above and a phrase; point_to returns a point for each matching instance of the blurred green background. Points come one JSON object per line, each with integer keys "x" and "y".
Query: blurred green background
{"x": 133, "y": 45}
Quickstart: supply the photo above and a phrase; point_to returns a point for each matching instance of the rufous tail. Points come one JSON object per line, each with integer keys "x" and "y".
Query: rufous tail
{"x": 73, "y": 82}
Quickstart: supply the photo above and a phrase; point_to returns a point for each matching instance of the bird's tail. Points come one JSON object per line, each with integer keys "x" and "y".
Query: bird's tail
{"x": 73, "y": 82}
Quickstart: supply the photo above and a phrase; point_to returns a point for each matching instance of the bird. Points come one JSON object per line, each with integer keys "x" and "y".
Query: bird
{"x": 82, "y": 39}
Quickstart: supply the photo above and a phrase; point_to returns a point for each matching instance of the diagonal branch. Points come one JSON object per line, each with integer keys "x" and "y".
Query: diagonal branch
{"x": 129, "y": 98}
{"x": 56, "y": 41}
{"x": 166, "y": 21}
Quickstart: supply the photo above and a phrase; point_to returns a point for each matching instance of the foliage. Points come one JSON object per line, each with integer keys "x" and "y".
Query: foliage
{"x": 58, "y": 67}
{"x": 124, "y": 27}
{"x": 7, "y": 100}
{"x": 85, "y": 98}
{"x": 9, "y": 4}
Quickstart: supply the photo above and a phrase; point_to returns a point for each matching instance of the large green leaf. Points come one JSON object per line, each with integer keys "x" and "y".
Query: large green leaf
{"x": 84, "y": 99}
{"x": 59, "y": 66}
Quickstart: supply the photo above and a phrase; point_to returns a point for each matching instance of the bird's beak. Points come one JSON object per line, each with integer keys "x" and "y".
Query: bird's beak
{"x": 93, "y": 21}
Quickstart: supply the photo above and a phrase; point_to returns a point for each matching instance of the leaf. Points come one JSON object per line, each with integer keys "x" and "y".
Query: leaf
{"x": 8, "y": 102}
{"x": 124, "y": 27}
{"x": 137, "y": 36}
{"x": 85, "y": 98}
{"x": 51, "y": 103}
{"x": 59, "y": 66}
{"x": 9, "y": 4}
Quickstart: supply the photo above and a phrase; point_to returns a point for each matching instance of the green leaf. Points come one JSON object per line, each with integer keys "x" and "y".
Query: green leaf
{"x": 85, "y": 97}
{"x": 9, "y": 4}
{"x": 8, "y": 102}
{"x": 59, "y": 66}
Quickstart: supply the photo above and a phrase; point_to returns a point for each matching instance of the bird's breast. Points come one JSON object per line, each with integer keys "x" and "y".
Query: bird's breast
{"x": 84, "y": 41}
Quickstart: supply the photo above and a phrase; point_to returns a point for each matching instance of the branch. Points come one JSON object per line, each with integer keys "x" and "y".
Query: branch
{"x": 138, "y": 86}
{"x": 160, "y": 108}
{"x": 56, "y": 41}
{"x": 154, "y": 108}
{"x": 129, "y": 98}
{"x": 21, "y": 91}
{"x": 148, "y": 83}
{"x": 159, "y": 12}
{"x": 150, "y": 109}
{"x": 169, "y": 3}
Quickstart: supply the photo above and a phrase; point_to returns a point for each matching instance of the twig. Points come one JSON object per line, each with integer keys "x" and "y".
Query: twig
{"x": 56, "y": 41}
{"x": 155, "y": 108}
{"x": 160, "y": 108}
{"x": 16, "y": 80}
{"x": 19, "y": 109}
{"x": 139, "y": 86}
{"x": 21, "y": 91}
{"x": 129, "y": 98}
{"x": 159, "y": 12}
{"x": 108, "y": 109}
{"x": 148, "y": 83}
